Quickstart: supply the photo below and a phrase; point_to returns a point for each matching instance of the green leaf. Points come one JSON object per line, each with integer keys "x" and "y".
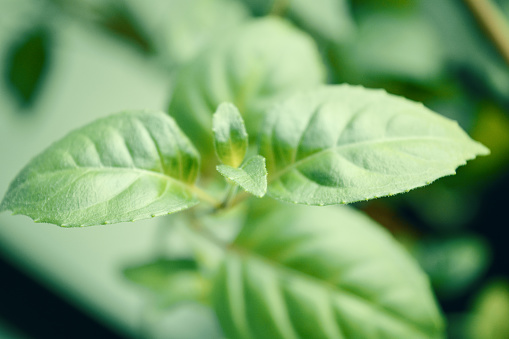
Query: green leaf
{"x": 341, "y": 144}
{"x": 455, "y": 264}
{"x": 252, "y": 176}
{"x": 490, "y": 312}
{"x": 230, "y": 136}
{"x": 327, "y": 19}
{"x": 27, "y": 64}
{"x": 182, "y": 37}
{"x": 255, "y": 65}
{"x": 170, "y": 280}
{"x": 322, "y": 273}
{"x": 128, "y": 166}
{"x": 413, "y": 53}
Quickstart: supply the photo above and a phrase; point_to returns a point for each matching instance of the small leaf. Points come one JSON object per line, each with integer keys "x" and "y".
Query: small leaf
{"x": 253, "y": 66}
{"x": 341, "y": 144}
{"x": 128, "y": 166}
{"x": 27, "y": 64}
{"x": 230, "y": 136}
{"x": 252, "y": 176}
{"x": 170, "y": 280}
{"x": 322, "y": 273}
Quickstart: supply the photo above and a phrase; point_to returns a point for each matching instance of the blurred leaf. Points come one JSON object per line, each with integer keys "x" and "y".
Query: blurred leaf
{"x": 443, "y": 207}
{"x": 329, "y": 20}
{"x": 254, "y": 66}
{"x": 186, "y": 28}
{"x": 491, "y": 129}
{"x": 251, "y": 176}
{"x": 117, "y": 17}
{"x": 453, "y": 265}
{"x": 27, "y": 64}
{"x": 170, "y": 280}
{"x": 230, "y": 136}
{"x": 491, "y": 312}
{"x": 322, "y": 273}
{"x": 114, "y": 16}
{"x": 341, "y": 144}
{"x": 260, "y": 7}
{"x": 385, "y": 4}
{"x": 467, "y": 48}
{"x": 397, "y": 45}
{"x": 125, "y": 167}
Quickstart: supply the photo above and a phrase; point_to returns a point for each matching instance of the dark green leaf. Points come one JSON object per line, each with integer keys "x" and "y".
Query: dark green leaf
{"x": 27, "y": 64}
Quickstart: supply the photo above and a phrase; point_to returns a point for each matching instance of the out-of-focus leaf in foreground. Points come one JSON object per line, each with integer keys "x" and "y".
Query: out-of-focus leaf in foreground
{"x": 322, "y": 273}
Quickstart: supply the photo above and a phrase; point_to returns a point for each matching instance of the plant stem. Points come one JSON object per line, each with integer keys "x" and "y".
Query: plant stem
{"x": 230, "y": 194}
{"x": 239, "y": 198}
{"x": 197, "y": 226}
{"x": 206, "y": 197}
{"x": 493, "y": 22}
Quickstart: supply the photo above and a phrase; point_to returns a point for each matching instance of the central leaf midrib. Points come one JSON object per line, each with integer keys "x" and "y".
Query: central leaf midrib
{"x": 243, "y": 251}
{"x": 295, "y": 164}
{"x": 122, "y": 169}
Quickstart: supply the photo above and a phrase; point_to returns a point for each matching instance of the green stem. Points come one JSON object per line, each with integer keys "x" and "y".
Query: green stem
{"x": 239, "y": 198}
{"x": 204, "y": 196}
{"x": 198, "y": 227}
{"x": 493, "y": 22}
{"x": 230, "y": 194}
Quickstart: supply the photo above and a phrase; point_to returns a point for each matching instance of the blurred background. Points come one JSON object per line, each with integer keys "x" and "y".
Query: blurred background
{"x": 64, "y": 63}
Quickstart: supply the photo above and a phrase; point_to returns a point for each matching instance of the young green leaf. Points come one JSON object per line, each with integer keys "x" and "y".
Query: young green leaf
{"x": 254, "y": 66}
{"x": 170, "y": 280}
{"x": 322, "y": 273}
{"x": 230, "y": 136}
{"x": 252, "y": 176}
{"x": 341, "y": 144}
{"x": 128, "y": 166}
